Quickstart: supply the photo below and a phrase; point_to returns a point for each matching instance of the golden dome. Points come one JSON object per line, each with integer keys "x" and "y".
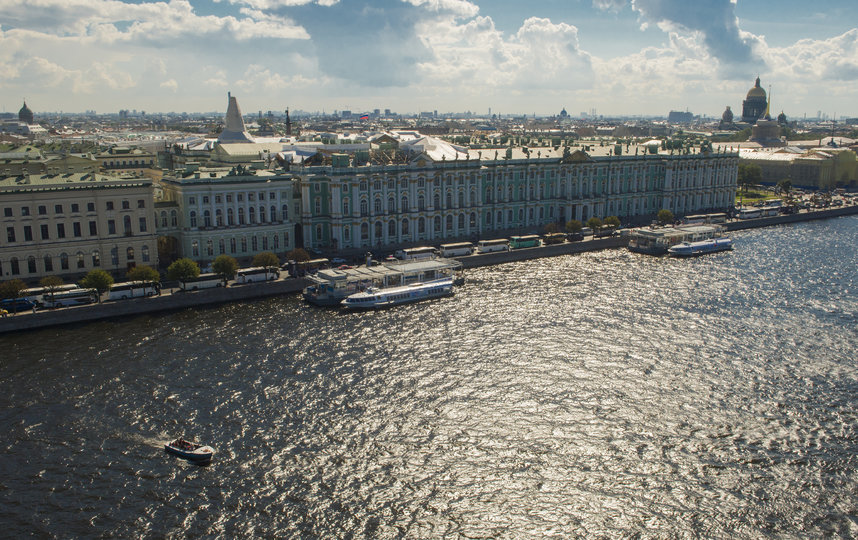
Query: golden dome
{"x": 757, "y": 91}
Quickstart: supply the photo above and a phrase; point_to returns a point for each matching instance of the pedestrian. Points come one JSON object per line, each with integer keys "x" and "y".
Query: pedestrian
{"x": 34, "y": 308}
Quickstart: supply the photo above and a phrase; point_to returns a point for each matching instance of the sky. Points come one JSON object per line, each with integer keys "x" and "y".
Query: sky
{"x": 617, "y": 57}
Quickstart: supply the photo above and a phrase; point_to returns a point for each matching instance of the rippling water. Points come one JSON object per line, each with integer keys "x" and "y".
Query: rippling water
{"x": 597, "y": 395}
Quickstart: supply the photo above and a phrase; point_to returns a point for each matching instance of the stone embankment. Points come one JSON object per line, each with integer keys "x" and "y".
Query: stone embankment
{"x": 182, "y": 300}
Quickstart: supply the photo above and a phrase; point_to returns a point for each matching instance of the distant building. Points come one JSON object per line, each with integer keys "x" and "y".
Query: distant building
{"x": 679, "y": 117}
{"x": 755, "y": 104}
{"x": 25, "y": 114}
{"x": 815, "y": 168}
{"x": 234, "y": 131}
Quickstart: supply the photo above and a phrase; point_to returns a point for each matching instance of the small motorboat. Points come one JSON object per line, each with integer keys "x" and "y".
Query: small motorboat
{"x": 191, "y": 451}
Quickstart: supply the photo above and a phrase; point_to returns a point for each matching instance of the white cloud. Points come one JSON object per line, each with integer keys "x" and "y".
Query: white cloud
{"x": 170, "y": 84}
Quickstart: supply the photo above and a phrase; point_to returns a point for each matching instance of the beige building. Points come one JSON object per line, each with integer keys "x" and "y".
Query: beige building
{"x": 69, "y": 224}
{"x": 816, "y": 168}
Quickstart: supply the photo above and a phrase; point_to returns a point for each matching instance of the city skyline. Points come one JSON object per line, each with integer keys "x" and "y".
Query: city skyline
{"x": 617, "y": 57}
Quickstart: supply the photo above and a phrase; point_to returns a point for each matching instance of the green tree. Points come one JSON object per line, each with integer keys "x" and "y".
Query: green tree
{"x": 594, "y": 223}
{"x": 12, "y": 288}
{"x": 749, "y": 175}
{"x": 51, "y": 284}
{"x": 183, "y": 269}
{"x": 298, "y": 255}
{"x": 144, "y": 274}
{"x": 266, "y": 260}
{"x": 574, "y": 226}
{"x": 98, "y": 280}
{"x": 612, "y": 222}
{"x": 785, "y": 186}
{"x": 226, "y": 266}
{"x": 551, "y": 228}
{"x": 664, "y": 216}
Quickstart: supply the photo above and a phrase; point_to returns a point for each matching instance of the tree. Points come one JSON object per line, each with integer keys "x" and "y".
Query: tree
{"x": 574, "y": 226}
{"x": 612, "y": 222}
{"x": 144, "y": 274}
{"x": 12, "y": 288}
{"x": 594, "y": 223}
{"x": 51, "y": 284}
{"x": 664, "y": 216}
{"x": 183, "y": 269}
{"x": 551, "y": 228}
{"x": 298, "y": 255}
{"x": 267, "y": 260}
{"x": 749, "y": 175}
{"x": 98, "y": 280}
{"x": 785, "y": 186}
{"x": 226, "y": 266}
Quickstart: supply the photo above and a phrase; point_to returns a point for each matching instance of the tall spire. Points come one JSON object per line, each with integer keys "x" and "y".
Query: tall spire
{"x": 769, "y": 104}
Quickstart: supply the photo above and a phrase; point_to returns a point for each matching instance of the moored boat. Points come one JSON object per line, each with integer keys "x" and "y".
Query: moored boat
{"x": 373, "y": 298}
{"x": 191, "y": 451}
{"x": 692, "y": 249}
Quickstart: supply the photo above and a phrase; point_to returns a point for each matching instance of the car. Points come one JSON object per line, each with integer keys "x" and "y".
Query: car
{"x": 338, "y": 260}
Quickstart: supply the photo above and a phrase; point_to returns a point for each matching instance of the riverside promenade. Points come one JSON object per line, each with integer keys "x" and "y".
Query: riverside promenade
{"x": 235, "y": 293}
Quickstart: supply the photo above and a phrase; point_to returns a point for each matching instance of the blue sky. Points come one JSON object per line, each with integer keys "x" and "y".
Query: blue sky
{"x": 619, "y": 57}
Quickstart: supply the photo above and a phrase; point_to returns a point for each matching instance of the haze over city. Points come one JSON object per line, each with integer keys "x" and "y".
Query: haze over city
{"x": 614, "y": 57}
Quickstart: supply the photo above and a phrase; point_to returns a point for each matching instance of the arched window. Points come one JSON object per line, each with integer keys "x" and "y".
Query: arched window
{"x": 461, "y": 199}
{"x": 391, "y": 204}
{"x": 129, "y": 254}
{"x": 174, "y": 218}
{"x": 244, "y": 244}
{"x": 378, "y": 230}
{"x": 207, "y": 218}
{"x": 285, "y": 211}
{"x": 450, "y": 199}
{"x": 449, "y": 224}
{"x": 126, "y": 223}
{"x": 500, "y": 217}
{"x": 232, "y": 245}
{"x": 261, "y": 214}
{"x": 473, "y": 220}
{"x": 488, "y": 195}
{"x": 64, "y": 261}
{"x": 461, "y": 222}
{"x": 347, "y": 235}
{"x": 114, "y": 256}
{"x": 241, "y": 216}
{"x": 364, "y": 231}
{"x": 16, "y": 270}
{"x": 49, "y": 263}
{"x": 436, "y": 201}
{"x": 251, "y": 214}
{"x": 273, "y": 211}
{"x": 377, "y": 205}
{"x": 404, "y": 207}
{"x": 209, "y": 248}
{"x": 421, "y": 226}
{"x": 195, "y": 248}
{"x": 193, "y": 216}
{"x": 81, "y": 261}
{"x": 437, "y": 224}
{"x": 404, "y": 227}
{"x": 144, "y": 251}
{"x": 364, "y": 208}
{"x": 96, "y": 258}
{"x": 31, "y": 264}
{"x": 276, "y": 242}
{"x": 219, "y": 217}
{"x": 254, "y": 242}
{"x": 421, "y": 203}
{"x": 391, "y": 229}
{"x": 163, "y": 218}
{"x": 230, "y": 216}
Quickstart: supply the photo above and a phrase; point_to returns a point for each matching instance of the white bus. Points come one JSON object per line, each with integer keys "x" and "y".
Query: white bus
{"x": 410, "y": 254}
{"x": 203, "y": 281}
{"x": 74, "y": 297}
{"x": 487, "y": 246}
{"x": 457, "y": 250}
{"x": 131, "y": 289}
{"x": 256, "y": 273}
{"x": 36, "y": 294}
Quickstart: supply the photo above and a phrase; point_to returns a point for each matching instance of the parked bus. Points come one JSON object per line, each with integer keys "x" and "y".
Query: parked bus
{"x": 487, "y": 246}
{"x": 302, "y": 268}
{"x": 410, "y": 254}
{"x": 457, "y": 250}
{"x": 74, "y": 297}
{"x": 202, "y": 281}
{"x": 256, "y": 273}
{"x": 36, "y": 294}
{"x": 531, "y": 240}
{"x": 131, "y": 289}
{"x": 554, "y": 238}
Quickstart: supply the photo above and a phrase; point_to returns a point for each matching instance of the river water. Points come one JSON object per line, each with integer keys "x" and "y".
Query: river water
{"x": 602, "y": 394}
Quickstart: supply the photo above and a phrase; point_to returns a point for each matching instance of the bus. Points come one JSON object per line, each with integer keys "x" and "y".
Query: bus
{"x": 74, "y": 297}
{"x": 531, "y": 240}
{"x": 131, "y": 289}
{"x": 457, "y": 250}
{"x": 487, "y": 246}
{"x": 203, "y": 281}
{"x": 554, "y": 238}
{"x": 36, "y": 294}
{"x": 256, "y": 273}
{"x": 410, "y": 254}
{"x": 302, "y": 268}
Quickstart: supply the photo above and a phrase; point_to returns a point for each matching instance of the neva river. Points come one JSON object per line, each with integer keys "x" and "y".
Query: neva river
{"x": 604, "y": 394}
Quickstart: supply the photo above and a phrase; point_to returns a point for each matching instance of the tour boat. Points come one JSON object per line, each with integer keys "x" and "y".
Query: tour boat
{"x": 691, "y": 249}
{"x": 189, "y": 450}
{"x": 373, "y": 298}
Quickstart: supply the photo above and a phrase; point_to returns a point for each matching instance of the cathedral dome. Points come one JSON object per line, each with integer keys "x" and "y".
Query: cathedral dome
{"x": 757, "y": 91}
{"x": 727, "y": 117}
{"x": 25, "y": 114}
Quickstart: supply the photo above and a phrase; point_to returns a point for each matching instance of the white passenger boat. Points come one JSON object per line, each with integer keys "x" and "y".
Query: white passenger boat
{"x": 373, "y": 298}
{"x": 692, "y": 249}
